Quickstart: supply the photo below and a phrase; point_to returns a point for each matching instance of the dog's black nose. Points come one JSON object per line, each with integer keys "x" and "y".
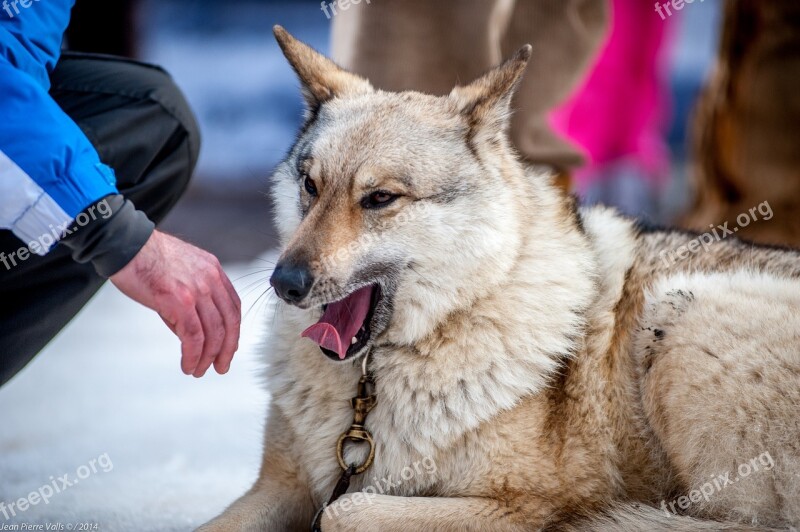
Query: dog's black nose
{"x": 291, "y": 282}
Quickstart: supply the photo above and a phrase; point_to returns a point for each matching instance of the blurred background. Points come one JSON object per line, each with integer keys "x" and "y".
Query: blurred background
{"x": 224, "y": 57}
{"x": 680, "y": 116}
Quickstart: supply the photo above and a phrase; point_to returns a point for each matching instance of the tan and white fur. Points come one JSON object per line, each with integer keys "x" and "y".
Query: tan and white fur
{"x": 557, "y": 372}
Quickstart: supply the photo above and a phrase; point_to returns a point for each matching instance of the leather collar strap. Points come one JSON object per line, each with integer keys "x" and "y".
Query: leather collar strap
{"x": 362, "y": 403}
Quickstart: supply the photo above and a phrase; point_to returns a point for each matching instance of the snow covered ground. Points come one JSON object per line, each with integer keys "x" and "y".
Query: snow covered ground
{"x": 145, "y": 448}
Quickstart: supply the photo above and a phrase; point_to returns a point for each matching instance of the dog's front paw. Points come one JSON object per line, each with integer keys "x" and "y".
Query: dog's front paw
{"x": 348, "y": 514}
{"x": 224, "y": 523}
{"x": 212, "y": 527}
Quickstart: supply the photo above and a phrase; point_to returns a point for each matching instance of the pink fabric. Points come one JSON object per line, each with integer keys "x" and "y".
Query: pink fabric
{"x": 620, "y": 112}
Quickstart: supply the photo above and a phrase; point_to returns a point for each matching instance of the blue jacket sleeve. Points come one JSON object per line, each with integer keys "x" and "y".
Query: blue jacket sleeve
{"x": 30, "y": 35}
{"x": 58, "y": 172}
{"x": 49, "y": 171}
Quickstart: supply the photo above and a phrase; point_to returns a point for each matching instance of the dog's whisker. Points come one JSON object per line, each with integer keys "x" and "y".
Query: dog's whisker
{"x": 252, "y": 287}
{"x": 262, "y": 270}
{"x": 253, "y": 305}
{"x": 420, "y": 274}
{"x": 265, "y": 292}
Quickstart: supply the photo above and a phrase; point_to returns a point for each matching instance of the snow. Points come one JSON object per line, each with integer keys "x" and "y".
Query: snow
{"x": 176, "y": 450}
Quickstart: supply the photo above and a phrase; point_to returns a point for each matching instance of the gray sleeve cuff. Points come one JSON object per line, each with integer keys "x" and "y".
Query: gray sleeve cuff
{"x": 108, "y": 234}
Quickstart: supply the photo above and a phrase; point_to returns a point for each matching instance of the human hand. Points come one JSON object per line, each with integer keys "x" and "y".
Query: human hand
{"x": 188, "y": 289}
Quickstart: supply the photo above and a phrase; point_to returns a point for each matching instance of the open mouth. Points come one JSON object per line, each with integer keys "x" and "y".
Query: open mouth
{"x": 344, "y": 328}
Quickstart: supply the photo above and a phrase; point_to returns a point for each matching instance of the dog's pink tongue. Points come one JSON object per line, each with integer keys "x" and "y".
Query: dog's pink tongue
{"x": 341, "y": 321}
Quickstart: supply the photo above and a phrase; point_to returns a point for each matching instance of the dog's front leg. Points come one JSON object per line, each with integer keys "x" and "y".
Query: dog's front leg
{"x": 363, "y": 511}
{"x": 280, "y": 498}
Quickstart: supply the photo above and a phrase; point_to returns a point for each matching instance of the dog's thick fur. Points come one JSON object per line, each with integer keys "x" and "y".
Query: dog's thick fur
{"x": 556, "y": 371}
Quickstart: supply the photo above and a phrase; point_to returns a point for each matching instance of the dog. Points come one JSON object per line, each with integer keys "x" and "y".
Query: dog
{"x": 536, "y": 365}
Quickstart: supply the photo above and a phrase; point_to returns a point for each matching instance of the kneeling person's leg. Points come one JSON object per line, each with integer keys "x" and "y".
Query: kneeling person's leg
{"x": 142, "y": 127}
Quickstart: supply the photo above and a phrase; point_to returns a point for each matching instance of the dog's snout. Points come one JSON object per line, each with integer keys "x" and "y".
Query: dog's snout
{"x": 291, "y": 282}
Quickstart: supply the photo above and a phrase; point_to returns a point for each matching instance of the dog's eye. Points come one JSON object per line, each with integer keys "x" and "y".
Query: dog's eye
{"x": 310, "y": 186}
{"x": 378, "y": 199}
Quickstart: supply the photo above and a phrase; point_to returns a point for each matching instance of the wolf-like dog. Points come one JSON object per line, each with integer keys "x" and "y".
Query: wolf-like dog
{"x": 543, "y": 362}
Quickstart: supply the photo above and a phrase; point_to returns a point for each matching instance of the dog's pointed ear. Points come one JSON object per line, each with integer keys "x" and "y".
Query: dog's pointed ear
{"x": 322, "y": 79}
{"x": 487, "y": 100}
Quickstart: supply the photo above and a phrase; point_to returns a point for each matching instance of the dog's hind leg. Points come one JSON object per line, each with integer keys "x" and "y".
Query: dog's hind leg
{"x": 720, "y": 384}
{"x": 630, "y": 517}
{"x": 279, "y": 499}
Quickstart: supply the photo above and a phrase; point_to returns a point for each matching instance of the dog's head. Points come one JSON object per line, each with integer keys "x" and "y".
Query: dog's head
{"x": 395, "y": 209}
